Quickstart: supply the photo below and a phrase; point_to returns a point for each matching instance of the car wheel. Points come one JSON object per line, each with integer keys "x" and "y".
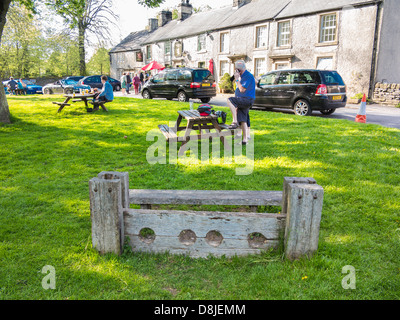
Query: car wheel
{"x": 302, "y": 108}
{"x": 205, "y": 100}
{"x": 67, "y": 91}
{"x": 47, "y": 91}
{"x": 327, "y": 111}
{"x": 117, "y": 88}
{"x": 182, "y": 96}
{"x": 146, "y": 94}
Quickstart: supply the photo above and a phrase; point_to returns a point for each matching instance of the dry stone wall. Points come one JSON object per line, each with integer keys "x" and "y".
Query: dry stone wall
{"x": 387, "y": 93}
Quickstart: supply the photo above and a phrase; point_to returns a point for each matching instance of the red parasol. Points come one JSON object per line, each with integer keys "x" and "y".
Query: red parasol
{"x": 211, "y": 66}
{"x": 153, "y": 65}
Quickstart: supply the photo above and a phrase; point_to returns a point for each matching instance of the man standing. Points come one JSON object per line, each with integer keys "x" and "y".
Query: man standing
{"x": 128, "y": 82}
{"x": 245, "y": 95}
{"x": 12, "y": 86}
{"x": 106, "y": 94}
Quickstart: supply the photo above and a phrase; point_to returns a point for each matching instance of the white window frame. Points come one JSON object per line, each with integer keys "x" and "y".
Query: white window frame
{"x": 288, "y": 33}
{"x": 201, "y": 42}
{"x": 259, "y": 70}
{"x": 149, "y": 53}
{"x": 325, "y": 38}
{"x": 224, "y": 42}
{"x": 258, "y": 43}
{"x": 220, "y": 67}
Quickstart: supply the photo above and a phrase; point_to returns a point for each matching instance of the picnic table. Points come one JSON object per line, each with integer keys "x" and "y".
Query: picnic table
{"x": 77, "y": 97}
{"x": 202, "y": 124}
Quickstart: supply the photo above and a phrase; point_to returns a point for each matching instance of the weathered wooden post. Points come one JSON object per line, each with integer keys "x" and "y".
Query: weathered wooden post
{"x": 109, "y": 195}
{"x": 303, "y": 208}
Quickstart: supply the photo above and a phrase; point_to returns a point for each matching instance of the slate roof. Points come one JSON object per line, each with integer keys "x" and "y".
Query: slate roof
{"x": 229, "y": 17}
{"x": 132, "y": 42}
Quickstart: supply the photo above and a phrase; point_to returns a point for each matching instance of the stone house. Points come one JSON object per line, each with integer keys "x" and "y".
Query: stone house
{"x": 359, "y": 38}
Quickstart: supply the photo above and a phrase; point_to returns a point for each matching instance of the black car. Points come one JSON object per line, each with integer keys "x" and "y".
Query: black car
{"x": 182, "y": 83}
{"x": 95, "y": 82}
{"x": 302, "y": 90}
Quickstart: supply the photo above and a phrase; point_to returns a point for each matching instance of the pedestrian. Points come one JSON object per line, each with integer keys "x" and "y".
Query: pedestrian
{"x": 20, "y": 87}
{"x": 128, "y": 82}
{"x": 136, "y": 83}
{"x": 141, "y": 80}
{"x": 245, "y": 95}
{"x": 12, "y": 86}
{"x": 123, "y": 84}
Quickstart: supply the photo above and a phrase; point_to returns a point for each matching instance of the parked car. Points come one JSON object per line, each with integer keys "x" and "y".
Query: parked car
{"x": 75, "y": 78}
{"x": 182, "y": 83}
{"x": 302, "y": 90}
{"x": 95, "y": 82}
{"x": 31, "y": 88}
{"x": 63, "y": 86}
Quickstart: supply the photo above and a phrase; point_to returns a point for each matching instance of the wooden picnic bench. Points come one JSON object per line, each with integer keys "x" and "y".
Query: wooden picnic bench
{"x": 202, "y": 124}
{"x": 76, "y": 98}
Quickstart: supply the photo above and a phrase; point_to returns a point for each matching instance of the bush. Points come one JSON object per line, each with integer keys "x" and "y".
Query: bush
{"x": 225, "y": 83}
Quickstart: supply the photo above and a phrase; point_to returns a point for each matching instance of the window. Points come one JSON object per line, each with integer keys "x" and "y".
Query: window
{"x": 327, "y": 31}
{"x": 325, "y": 63}
{"x": 200, "y": 75}
{"x": 281, "y": 65}
{"x": 171, "y": 76}
{"x": 268, "y": 79}
{"x": 148, "y": 52}
{"x": 201, "y": 42}
{"x": 223, "y": 67}
{"x": 224, "y": 42}
{"x": 260, "y": 66}
{"x": 159, "y": 77}
{"x": 184, "y": 75}
{"x": 201, "y": 64}
{"x": 303, "y": 77}
{"x": 167, "y": 47}
{"x": 261, "y": 37}
{"x": 283, "y": 34}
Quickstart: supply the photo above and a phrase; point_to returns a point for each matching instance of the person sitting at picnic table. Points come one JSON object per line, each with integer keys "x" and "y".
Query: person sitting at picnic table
{"x": 20, "y": 87}
{"x": 105, "y": 95}
{"x": 12, "y": 86}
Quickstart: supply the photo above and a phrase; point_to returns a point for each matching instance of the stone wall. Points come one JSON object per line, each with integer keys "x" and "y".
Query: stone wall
{"x": 387, "y": 93}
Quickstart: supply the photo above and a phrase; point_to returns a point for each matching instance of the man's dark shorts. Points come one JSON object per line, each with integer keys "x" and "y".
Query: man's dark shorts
{"x": 243, "y": 106}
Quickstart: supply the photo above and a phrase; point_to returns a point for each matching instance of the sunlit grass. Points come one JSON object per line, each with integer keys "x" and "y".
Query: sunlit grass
{"x": 47, "y": 159}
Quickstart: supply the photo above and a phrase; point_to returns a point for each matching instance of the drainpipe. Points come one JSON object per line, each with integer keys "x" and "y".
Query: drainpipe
{"x": 375, "y": 48}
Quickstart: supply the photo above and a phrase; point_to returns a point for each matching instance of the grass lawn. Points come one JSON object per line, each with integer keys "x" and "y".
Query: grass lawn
{"x": 47, "y": 159}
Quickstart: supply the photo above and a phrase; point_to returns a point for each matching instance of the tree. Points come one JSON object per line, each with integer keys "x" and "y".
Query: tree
{"x": 30, "y": 4}
{"x": 100, "y": 61}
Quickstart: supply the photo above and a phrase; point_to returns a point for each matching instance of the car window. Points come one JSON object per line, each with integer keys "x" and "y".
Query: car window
{"x": 268, "y": 79}
{"x": 184, "y": 75}
{"x": 172, "y": 75}
{"x": 332, "y": 77}
{"x": 286, "y": 77}
{"x": 159, "y": 77}
{"x": 97, "y": 79}
{"x": 89, "y": 80}
{"x": 303, "y": 77}
{"x": 200, "y": 75}
{"x": 69, "y": 82}
{"x": 27, "y": 82}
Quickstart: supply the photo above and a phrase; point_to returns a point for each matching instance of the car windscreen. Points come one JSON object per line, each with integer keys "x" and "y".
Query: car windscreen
{"x": 200, "y": 75}
{"x": 332, "y": 78}
{"x": 70, "y": 82}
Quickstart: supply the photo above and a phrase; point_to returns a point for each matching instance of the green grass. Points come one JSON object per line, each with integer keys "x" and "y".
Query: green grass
{"x": 47, "y": 159}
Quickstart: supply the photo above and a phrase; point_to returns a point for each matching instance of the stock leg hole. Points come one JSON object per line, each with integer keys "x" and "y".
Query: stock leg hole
{"x": 214, "y": 238}
{"x": 187, "y": 237}
{"x": 147, "y": 235}
{"x": 256, "y": 240}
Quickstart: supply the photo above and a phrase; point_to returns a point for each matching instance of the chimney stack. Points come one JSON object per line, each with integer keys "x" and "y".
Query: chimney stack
{"x": 164, "y": 17}
{"x": 153, "y": 25}
{"x": 184, "y": 10}
{"x": 239, "y": 3}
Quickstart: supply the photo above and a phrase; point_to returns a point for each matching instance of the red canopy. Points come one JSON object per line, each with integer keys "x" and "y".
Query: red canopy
{"x": 153, "y": 65}
{"x": 211, "y": 66}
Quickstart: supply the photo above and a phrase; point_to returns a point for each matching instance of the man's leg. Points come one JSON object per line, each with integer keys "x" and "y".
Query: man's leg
{"x": 244, "y": 127}
{"x": 233, "y": 111}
